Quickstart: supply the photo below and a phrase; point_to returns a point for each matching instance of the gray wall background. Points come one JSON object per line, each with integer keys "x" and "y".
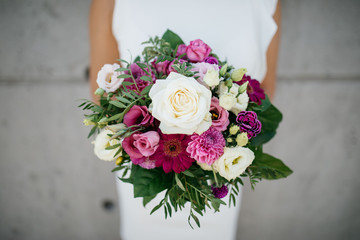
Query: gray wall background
{"x": 52, "y": 187}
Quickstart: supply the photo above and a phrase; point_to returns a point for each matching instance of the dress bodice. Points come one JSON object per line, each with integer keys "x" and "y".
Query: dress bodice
{"x": 237, "y": 30}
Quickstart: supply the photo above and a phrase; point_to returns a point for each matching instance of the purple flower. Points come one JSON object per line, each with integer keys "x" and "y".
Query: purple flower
{"x": 248, "y": 122}
{"x": 255, "y": 92}
{"x": 161, "y": 67}
{"x": 138, "y": 73}
{"x": 181, "y": 50}
{"x": 212, "y": 60}
{"x": 220, "y": 192}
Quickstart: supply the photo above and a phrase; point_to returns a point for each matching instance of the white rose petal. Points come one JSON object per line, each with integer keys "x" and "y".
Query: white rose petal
{"x": 103, "y": 141}
{"x": 211, "y": 78}
{"x": 234, "y": 162}
{"x": 107, "y": 78}
{"x": 180, "y": 103}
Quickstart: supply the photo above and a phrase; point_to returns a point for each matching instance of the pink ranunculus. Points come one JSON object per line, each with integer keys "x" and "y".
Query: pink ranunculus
{"x": 181, "y": 50}
{"x": 197, "y": 51}
{"x": 138, "y": 115}
{"x": 202, "y": 68}
{"x": 161, "y": 67}
{"x": 219, "y": 115}
{"x": 140, "y": 146}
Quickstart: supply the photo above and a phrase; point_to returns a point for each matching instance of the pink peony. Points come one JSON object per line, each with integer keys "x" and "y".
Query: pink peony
{"x": 219, "y": 115}
{"x": 197, "y": 51}
{"x": 202, "y": 69}
{"x": 138, "y": 115}
{"x": 207, "y": 147}
{"x": 140, "y": 146}
{"x": 171, "y": 153}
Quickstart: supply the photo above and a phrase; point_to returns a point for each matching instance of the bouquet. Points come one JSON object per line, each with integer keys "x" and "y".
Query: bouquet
{"x": 178, "y": 119}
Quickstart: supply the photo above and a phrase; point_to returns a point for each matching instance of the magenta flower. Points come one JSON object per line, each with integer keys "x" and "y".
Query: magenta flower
{"x": 181, "y": 50}
{"x": 219, "y": 115}
{"x": 255, "y": 92}
{"x": 207, "y": 147}
{"x": 138, "y": 73}
{"x": 197, "y": 51}
{"x": 220, "y": 192}
{"x": 140, "y": 146}
{"x": 161, "y": 67}
{"x": 138, "y": 115}
{"x": 171, "y": 154}
{"x": 212, "y": 60}
{"x": 249, "y": 123}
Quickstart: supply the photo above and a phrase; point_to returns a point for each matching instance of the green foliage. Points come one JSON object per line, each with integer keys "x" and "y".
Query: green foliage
{"x": 172, "y": 38}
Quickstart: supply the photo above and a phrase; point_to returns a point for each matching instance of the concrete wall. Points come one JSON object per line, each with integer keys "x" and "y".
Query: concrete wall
{"x": 52, "y": 187}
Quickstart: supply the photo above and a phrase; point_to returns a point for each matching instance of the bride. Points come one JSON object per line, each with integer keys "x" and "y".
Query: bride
{"x": 243, "y": 31}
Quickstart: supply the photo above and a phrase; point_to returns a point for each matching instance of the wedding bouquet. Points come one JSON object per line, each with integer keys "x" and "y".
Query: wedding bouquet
{"x": 178, "y": 119}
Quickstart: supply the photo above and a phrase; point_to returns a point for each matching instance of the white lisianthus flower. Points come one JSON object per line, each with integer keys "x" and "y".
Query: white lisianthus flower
{"x": 181, "y": 104}
{"x": 107, "y": 78}
{"x": 241, "y": 102}
{"x": 234, "y": 162}
{"x": 227, "y": 100}
{"x": 103, "y": 141}
{"x": 211, "y": 77}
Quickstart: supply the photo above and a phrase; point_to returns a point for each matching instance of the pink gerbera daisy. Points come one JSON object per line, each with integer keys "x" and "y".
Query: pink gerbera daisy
{"x": 171, "y": 153}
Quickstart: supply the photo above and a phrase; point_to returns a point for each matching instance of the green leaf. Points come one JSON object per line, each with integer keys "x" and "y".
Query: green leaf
{"x": 117, "y": 104}
{"x": 113, "y": 147}
{"x": 156, "y": 207}
{"x": 271, "y": 167}
{"x": 146, "y": 90}
{"x": 270, "y": 120}
{"x": 121, "y": 69}
{"x": 124, "y": 76}
{"x": 149, "y": 182}
{"x": 122, "y": 99}
{"x": 115, "y": 117}
{"x": 188, "y": 173}
{"x": 146, "y": 78}
{"x": 143, "y": 67}
{"x": 146, "y": 200}
{"x": 179, "y": 183}
{"x": 92, "y": 131}
{"x": 172, "y": 38}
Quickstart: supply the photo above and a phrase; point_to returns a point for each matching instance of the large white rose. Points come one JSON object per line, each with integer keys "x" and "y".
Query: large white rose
{"x": 103, "y": 141}
{"x": 234, "y": 162}
{"x": 107, "y": 78}
{"x": 181, "y": 104}
{"x": 239, "y": 104}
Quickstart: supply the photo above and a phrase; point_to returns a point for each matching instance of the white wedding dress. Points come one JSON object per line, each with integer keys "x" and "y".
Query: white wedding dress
{"x": 237, "y": 30}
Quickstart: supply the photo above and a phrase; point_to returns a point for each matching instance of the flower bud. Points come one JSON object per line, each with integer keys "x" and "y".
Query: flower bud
{"x": 234, "y": 129}
{"x": 238, "y": 74}
{"x": 223, "y": 70}
{"x": 211, "y": 78}
{"x": 243, "y": 88}
{"x": 99, "y": 91}
{"x": 242, "y": 139}
{"x": 88, "y": 122}
{"x": 119, "y": 160}
{"x": 228, "y": 83}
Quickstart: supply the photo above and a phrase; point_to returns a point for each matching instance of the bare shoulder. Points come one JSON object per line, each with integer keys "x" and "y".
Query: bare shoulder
{"x": 102, "y": 5}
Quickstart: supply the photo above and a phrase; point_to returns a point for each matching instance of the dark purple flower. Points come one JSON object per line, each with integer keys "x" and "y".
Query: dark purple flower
{"x": 255, "y": 92}
{"x": 212, "y": 60}
{"x": 220, "y": 192}
{"x": 248, "y": 122}
{"x": 138, "y": 73}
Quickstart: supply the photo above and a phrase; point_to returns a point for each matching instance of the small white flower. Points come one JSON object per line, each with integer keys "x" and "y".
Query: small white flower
{"x": 234, "y": 162}
{"x": 211, "y": 78}
{"x": 227, "y": 100}
{"x": 103, "y": 141}
{"x": 241, "y": 102}
{"x": 107, "y": 78}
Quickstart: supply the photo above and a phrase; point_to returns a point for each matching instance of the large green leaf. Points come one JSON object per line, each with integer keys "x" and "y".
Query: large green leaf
{"x": 149, "y": 182}
{"x": 172, "y": 38}
{"x": 270, "y": 119}
{"x": 270, "y": 167}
